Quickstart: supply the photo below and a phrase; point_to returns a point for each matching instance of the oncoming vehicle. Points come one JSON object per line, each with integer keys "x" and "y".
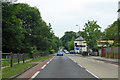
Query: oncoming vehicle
{"x": 72, "y": 52}
{"x": 66, "y": 52}
{"x": 59, "y": 53}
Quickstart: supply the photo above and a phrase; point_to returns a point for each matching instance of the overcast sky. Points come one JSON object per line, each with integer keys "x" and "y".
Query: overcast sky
{"x": 64, "y": 15}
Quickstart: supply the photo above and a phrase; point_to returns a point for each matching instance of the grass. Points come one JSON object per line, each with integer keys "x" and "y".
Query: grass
{"x": 7, "y": 63}
{"x": 40, "y": 59}
{"x": 11, "y": 71}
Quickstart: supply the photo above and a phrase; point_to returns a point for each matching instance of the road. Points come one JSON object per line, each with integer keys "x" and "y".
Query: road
{"x": 63, "y": 67}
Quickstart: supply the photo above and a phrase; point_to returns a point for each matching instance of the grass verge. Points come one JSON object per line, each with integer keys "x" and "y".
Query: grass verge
{"x": 16, "y": 69}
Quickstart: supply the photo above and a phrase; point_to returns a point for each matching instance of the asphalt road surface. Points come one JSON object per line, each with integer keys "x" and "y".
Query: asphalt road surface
{"x": 63, "y": 67}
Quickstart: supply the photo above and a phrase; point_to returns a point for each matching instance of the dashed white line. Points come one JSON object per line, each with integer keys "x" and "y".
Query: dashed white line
{"x": 48, "y": 62}
{"x": 35, "y": 75}
{"x": 43, "y": 66}
{"x": 39, "y": 71}
{"x": 86, "y": 69}
{"x": 92, "y": 73}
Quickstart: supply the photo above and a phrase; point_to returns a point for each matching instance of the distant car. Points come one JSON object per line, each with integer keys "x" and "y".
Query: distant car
{"x": 59, "y": 53}
{"x": 66, "y": 52}
{"x": 72, "y": 52}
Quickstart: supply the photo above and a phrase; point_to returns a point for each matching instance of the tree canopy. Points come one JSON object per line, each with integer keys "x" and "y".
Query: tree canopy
{"x": 67, "y": 37}
{"x": 91, "y": 34}
{"x": 71, "y": 44}
{"x": 111, "y": 32}
{"x": 24, "y": 30}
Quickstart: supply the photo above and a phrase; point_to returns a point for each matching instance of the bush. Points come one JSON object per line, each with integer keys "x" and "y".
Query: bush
{"x": 52, "y": 51}
{"x": 116, "y": 45}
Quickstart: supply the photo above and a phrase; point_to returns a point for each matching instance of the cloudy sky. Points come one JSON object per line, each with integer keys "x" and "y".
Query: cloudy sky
{"x": 64, "y": 15}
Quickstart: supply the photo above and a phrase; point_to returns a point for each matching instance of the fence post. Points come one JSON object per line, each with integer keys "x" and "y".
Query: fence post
{"x": 18, "y": 58}
{"x": 102, "y": 52}
{"x": 23, "y": 57}
{"x": 0, "y": 60}
{"x": 11, "y": 60}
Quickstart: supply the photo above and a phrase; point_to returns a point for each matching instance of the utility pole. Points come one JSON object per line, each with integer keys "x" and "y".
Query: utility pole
{"x": 79, "y": 38}
{"x": 118, "y": 22}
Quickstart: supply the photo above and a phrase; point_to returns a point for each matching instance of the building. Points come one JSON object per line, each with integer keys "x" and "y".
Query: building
{"x": 80, "y": 45}
{"x": 105, "y": 43}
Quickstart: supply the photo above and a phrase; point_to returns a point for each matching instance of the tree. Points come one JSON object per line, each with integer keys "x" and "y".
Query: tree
{"x": 71, "y": 44}
{"x": 12, "y": 31}
{"x": 111, "y": 32}
{"x": 67, "y": 37}
{"x": 91, "y": 34}
{"x": 25, "y": 31}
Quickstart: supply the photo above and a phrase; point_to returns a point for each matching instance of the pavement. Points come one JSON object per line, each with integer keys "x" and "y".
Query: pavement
{"x": 104, "y": 59}
{"x": 100, "y": 69}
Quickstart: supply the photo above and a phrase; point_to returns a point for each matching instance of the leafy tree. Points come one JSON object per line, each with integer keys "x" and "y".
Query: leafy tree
{"x": 71, "y": 44}
{"x": 67, "y": 37}
{"x": 111, "y": 33}
{"x": 91, "y": 34}
{"x": 12, "y": 31}
{"x": 25, "y": 31}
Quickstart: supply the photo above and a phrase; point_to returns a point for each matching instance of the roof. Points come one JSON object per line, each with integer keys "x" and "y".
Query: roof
{"x": 79, "y": 39}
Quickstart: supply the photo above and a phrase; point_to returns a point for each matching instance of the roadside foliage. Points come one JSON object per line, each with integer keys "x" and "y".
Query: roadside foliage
{"x": 25, "y": 31}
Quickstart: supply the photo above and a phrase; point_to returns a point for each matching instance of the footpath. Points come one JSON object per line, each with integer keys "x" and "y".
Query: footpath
{"x": 108, "y": 60}
{"x": 98, "y": 66}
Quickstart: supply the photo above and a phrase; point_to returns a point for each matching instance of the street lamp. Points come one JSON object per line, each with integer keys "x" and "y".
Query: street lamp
{"x": 118, "y": 22}
{"x": 80, "y": 50}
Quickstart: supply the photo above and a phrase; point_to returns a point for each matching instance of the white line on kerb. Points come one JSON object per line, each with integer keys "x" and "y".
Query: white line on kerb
{"x": 80, "y": 65}
{"x": 48, "y": 62}
{"x": 43, "y": 66}
{"x": 35, "y": 75}
{"x": 92, "y": 73}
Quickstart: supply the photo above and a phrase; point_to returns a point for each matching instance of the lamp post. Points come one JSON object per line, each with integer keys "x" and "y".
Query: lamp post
{"x": 79, "y": 38}
{"x": 118, "y": 22}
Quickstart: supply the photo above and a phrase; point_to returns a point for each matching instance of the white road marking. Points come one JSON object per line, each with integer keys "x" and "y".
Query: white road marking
{"x": 48, "y": 62}
{"x": 86, "y": 69}
{"x": 39, "y": 71}
{"x": 43, "y": 66}
{"x": 80, "y": 65}
{"x": 35, "y": 75}
{"x": 92, "y": 73}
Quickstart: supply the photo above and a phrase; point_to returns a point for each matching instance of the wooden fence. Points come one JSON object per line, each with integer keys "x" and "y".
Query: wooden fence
{"x": 13, "y": 58}
{"x": 9, "y": 59}
{"x": 111, "y": 52}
